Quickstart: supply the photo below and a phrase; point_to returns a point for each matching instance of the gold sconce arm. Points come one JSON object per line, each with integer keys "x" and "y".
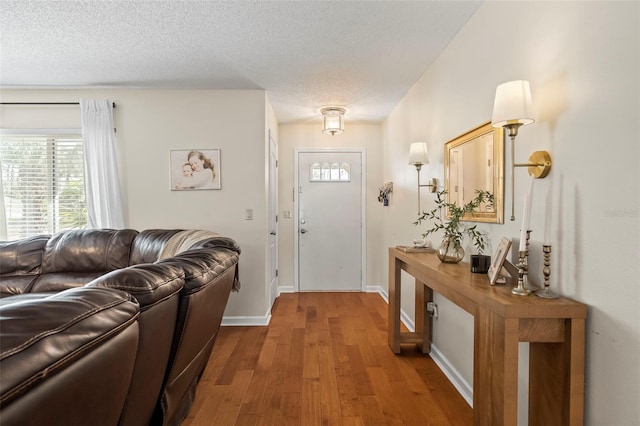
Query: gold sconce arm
{"x": 433, "y": 184}
{"x": 539, "y": 164}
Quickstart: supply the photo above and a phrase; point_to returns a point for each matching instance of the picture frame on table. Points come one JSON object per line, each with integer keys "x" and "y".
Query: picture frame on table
{"x": 498, "y": 260}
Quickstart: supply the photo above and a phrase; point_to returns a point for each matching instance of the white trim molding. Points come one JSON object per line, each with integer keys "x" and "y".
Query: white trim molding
{"x": 242, "y": 321}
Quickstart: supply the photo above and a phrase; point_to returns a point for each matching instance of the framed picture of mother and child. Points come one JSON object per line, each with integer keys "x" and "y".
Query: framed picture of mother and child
{"x": 195, "y": 169}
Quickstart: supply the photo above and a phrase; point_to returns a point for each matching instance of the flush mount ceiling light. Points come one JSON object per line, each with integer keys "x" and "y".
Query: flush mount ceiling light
{"x": 333, "y": 122}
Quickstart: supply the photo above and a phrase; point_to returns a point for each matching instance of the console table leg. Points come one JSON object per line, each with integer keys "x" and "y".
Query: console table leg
{"x": 556, "y": 379}
{"x": 394, "y": 305}
{"x": 423, "y": 319}
{"x": 495, "y": 369}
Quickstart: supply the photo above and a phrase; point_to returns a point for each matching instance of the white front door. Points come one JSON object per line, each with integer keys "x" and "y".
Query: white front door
{"x": 330, "y": 221}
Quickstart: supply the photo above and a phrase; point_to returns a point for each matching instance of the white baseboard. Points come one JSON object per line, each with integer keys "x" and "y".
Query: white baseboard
{"x": 286, "y": 289}
{"x": 461, "y": 385}
{"x": 377, "y": 289}
{"x": 246, "y": 321}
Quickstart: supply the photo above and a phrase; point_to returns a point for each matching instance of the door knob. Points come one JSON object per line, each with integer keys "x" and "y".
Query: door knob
{"x": 303, "y": 231}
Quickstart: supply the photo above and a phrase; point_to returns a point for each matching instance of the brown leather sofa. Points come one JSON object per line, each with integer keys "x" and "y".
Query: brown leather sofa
{"x": 181, "y": 281}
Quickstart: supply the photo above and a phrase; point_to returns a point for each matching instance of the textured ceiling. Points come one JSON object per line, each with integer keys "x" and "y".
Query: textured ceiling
{"x": 364, "y": 55}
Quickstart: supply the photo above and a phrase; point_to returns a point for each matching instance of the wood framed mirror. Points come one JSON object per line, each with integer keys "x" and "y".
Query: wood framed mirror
{"x": 474, "y": 161}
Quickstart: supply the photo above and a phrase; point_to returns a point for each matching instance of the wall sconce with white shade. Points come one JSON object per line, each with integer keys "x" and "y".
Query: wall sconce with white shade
{"x": 511, "y": 110}
{"x": 333, "y": 120}
{"x": 418, "y": 155}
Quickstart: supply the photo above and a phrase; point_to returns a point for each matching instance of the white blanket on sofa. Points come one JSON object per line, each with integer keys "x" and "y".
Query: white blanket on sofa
{"x": 184, "y": 240}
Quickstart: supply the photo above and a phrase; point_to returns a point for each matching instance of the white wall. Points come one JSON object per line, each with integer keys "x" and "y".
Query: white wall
{"x": 149, "y": 124}
{"x": 582, "y": 59}
{"x": 367, "y": 136}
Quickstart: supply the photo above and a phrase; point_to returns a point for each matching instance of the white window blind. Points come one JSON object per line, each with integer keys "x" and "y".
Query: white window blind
{"x": 42, "y": 184}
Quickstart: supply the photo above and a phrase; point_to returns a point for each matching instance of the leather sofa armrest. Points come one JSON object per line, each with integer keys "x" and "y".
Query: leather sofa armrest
{"x": 149, "y": 283}
{"x": 39, "y": 337}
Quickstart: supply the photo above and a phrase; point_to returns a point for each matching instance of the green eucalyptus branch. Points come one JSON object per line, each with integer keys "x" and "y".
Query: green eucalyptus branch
{"x": 453, "y": 228}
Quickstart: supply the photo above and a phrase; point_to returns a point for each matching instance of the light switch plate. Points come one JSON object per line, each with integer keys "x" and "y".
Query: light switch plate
{"x": 248, "y": 214}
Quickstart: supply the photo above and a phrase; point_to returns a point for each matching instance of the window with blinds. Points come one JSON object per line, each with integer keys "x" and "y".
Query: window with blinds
{"x": 42, "y": 184}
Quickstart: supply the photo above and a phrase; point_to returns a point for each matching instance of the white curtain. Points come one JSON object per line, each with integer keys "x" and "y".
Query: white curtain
{"x": 104, "y": 200}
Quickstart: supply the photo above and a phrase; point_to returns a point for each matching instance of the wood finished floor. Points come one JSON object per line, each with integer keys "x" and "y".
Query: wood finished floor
{"x": 323, "y": 360}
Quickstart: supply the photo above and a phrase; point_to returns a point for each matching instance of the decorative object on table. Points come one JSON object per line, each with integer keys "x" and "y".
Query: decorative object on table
{"x": 475, "y": 160}
{"x": 546, "y": 271}
{"x": 511, "y": 110}
{"x": 523, "y": 288}
{"x": 195, "y": 169}
{"x": 520, "y": 289}
{"x": 418, "y": 156}
{"x": 498, "y": 260}
{"x": 451, "y": 251}
{"x": 480, "y": 263}
{"x": 419, "y": 246}
{"x": 385, "y": 190}
{"x": 414, "y": 249}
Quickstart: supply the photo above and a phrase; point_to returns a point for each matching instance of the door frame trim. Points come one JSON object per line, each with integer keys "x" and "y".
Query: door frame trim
{"x": 272, "y": 291}
{"x": 363, "y": 211}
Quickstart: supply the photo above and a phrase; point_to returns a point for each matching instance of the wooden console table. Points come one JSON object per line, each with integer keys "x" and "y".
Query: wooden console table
{"x": 555, "y": 329}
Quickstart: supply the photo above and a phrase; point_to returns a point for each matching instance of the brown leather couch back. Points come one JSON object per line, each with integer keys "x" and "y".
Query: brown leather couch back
{"x": 74, "y": 258}
{"x": 20, "y": 264}
{"x": 149, "y": 244}
{"x": 67, "y": 358}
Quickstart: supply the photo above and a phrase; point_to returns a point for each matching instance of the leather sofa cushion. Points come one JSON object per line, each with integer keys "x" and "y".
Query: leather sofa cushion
{"x": 20, "y": 264}
{"x": 52, "y": 282}
{"x": 22, "y": 256}
{"x": 88, "y": 250}
{"x": 149, "y": 243}
{"x": 75, "y": 258}
{"x": 16, "y": 284}
{"x": 42, "y": 336}
{"x": 149, "y": 283}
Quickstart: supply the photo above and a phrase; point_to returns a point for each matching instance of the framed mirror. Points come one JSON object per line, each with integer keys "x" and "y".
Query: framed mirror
{"x": 475, "y": 161}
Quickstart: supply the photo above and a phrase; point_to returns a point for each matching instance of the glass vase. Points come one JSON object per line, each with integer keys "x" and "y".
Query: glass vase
{"x": 448, "y": 252}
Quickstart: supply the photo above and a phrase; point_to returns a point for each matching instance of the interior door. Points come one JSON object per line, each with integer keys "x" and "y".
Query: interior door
{"x": 273, "y": 219}
{"x": 329, "y": 221}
